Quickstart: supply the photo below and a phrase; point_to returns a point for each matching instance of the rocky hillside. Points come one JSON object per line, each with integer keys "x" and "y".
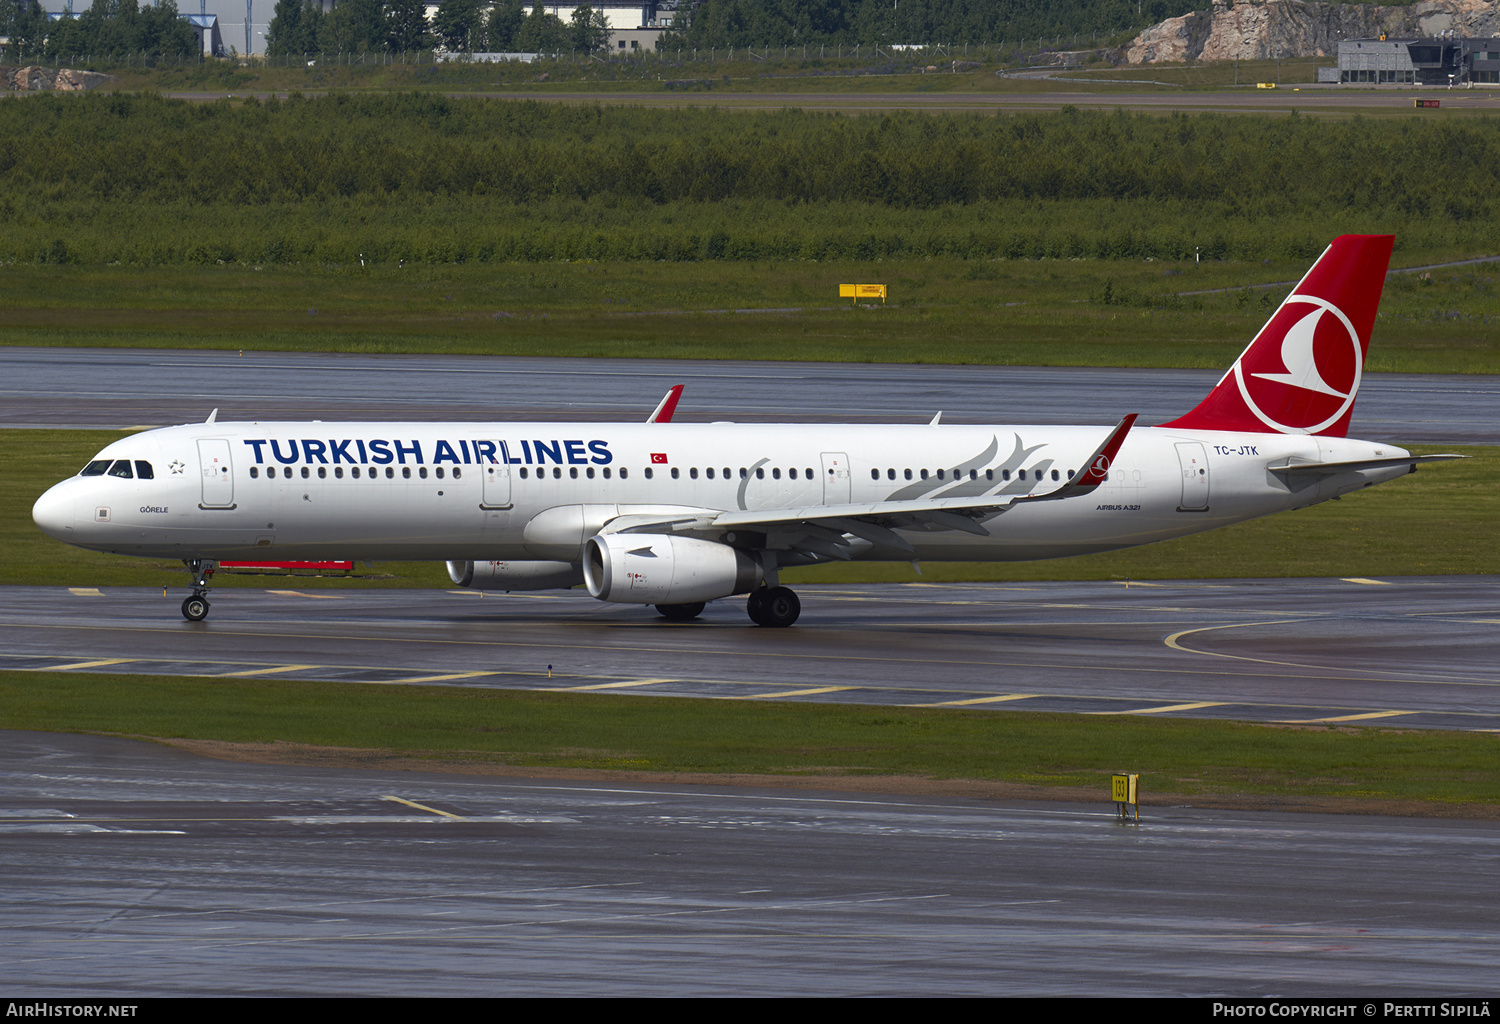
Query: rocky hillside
{"x": 39, "y": 79}
{"x": 1264, "y": 29}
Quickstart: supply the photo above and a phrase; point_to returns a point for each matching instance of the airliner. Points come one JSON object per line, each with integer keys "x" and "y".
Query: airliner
{"x": 676, "y": 515}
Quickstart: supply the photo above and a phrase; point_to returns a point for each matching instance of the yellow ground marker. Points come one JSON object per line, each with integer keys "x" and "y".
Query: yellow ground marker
{"x": 298, "y": 593}
{"x": 265, "y": 671}
{"x": 1164, "y": 708}
{"x": 618, "y": 686}
{"x": 1346, "y": 718}
{"x": 794, "y": 693}
{"x": 1368, "y": 583}
{"x": 85, "y": 592}
{"x": 982, "y": 700}
{"x": 441, "y": 678}
{"x": 87, "y": 664}
{"x": 423, "y": 807}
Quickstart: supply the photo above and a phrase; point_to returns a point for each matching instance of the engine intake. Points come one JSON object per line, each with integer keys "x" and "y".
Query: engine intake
{"x": 646, "y": 568}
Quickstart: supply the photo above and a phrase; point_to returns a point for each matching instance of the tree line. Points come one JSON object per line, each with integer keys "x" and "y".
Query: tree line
{"x": 109, "y": 28}
{"x": 459, "y": 26}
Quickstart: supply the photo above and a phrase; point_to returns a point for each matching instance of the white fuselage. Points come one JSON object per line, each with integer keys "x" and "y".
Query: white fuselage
{"x": 443, "y": 491}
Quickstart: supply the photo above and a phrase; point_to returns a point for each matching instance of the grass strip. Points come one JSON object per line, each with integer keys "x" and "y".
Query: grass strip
{"x": 556, "y": 730}
{"x": 949, "y": 311}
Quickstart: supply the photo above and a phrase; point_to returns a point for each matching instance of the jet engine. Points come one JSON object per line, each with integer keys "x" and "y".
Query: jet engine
{"x": 515, "y": 575}
{"x": 643, "y": 568}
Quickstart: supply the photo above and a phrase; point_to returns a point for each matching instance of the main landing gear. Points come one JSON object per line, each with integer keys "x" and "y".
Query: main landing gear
{"x": 773, "y": 606}
{"x": 195, "y": 608}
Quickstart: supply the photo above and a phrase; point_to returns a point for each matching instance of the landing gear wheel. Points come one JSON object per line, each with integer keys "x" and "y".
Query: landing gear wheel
{"x": 195, "y": 608}
{"x": 755, "y": 607}
{"x": 776, "y": 607}
{"x": 680, "y": 612}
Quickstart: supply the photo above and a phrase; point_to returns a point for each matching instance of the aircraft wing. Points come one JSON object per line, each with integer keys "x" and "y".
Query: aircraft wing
{"x": 821, "y": 528}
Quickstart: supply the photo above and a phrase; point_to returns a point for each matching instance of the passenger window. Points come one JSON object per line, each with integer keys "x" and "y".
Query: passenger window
{"x": 422, "y": 472}
{"x": 305, "y": 473}
{"x": 589, "y": 472}
{"x": 390, "y": 472}
{"x": 573, "y": 472}
{"x": 874, "y": 474}
{"x": 95, "y": 468}
{"x": 338, "y": 472}
{"x": 693, "y": 472}
{"x": 557, "y": 472}
{"x": 143, "y": 470}
{"x": 939, "y": 474}
{"x": 776, "y": 473}
{"x": 254, "y": 473}
{"x": 625, "y": 473}
{"x": 792, "y": 473}
{"x": 710, "y": 472}
{"x": 760, "y": 472}
{"x": 322, "y": 472}
{"x": 457, "y": 472}
{"x": 121, "y": 469}
{"x": 908, "y": 474}
{"x": 438, "y": 472}
{"x": 676, "y": 473}
{"x": 1054, "y": 474}
{"x": 648, "y": 472}
{"x": 924, "y": 474}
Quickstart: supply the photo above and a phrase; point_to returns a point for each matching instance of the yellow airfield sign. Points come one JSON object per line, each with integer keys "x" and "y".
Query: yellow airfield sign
{"x": 862, "y": 291}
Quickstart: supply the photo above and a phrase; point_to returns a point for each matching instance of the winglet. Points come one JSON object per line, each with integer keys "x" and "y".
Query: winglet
{"x": 664, "y": 411}
{"x": 1098, "y": 464}
{"x": 212, "y": 416}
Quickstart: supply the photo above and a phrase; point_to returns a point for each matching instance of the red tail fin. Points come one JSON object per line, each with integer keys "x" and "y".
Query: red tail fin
{"x": 1301, "y": 373}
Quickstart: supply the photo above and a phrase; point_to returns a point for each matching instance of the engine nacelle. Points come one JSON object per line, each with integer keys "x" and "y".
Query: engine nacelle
{"x": 645, "y": 568}
{"x": 515, "y": 575}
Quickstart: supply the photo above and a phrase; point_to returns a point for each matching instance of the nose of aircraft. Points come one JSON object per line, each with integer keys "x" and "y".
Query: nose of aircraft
{"x": 53, "y": 513}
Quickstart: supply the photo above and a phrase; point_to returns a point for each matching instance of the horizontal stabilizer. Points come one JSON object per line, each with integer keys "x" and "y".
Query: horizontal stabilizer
{"x": 1330, "y": 468}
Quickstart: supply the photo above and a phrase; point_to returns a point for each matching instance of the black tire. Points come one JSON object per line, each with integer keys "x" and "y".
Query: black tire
{"x": 755, "y": 607}
{"x": 779, "y": 607}
{"x": 681, "y": 612}
{"x": 195, "y": 609}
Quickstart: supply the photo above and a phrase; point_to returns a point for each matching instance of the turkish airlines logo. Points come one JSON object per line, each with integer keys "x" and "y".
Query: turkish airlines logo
{"x": 1100, "y": 469}
{"x": 1308, "y": 382}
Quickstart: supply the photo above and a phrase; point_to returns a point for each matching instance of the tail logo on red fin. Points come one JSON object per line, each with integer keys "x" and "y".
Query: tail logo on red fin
{"x": 1320, "y": 358}
{"x": 1302, "y": 371}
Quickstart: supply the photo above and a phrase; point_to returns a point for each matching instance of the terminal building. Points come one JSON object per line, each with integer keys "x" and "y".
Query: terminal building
{"x": 1439, "y": 61}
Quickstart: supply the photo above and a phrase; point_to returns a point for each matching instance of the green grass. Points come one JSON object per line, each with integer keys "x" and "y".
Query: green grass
{"x": 1016, "y": 312}
{"x": 482, "y": 726}
{"x": 1438, "y": 521}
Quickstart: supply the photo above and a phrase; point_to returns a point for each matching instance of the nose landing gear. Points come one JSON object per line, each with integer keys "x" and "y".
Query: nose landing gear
{"x": 195, "y": 608}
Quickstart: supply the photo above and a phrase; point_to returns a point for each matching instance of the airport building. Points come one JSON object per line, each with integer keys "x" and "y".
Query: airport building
{"x": 1434, "y": 61}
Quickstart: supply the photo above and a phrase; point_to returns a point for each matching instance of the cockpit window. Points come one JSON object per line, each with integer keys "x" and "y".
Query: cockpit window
{"x": 121, "y": 469}
{"x": 143, "y": 470}
{"x": 95, "y": 468}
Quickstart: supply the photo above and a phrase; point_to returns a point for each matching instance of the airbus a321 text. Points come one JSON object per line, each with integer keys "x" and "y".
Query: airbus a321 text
{"x": 676, "y": 515}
